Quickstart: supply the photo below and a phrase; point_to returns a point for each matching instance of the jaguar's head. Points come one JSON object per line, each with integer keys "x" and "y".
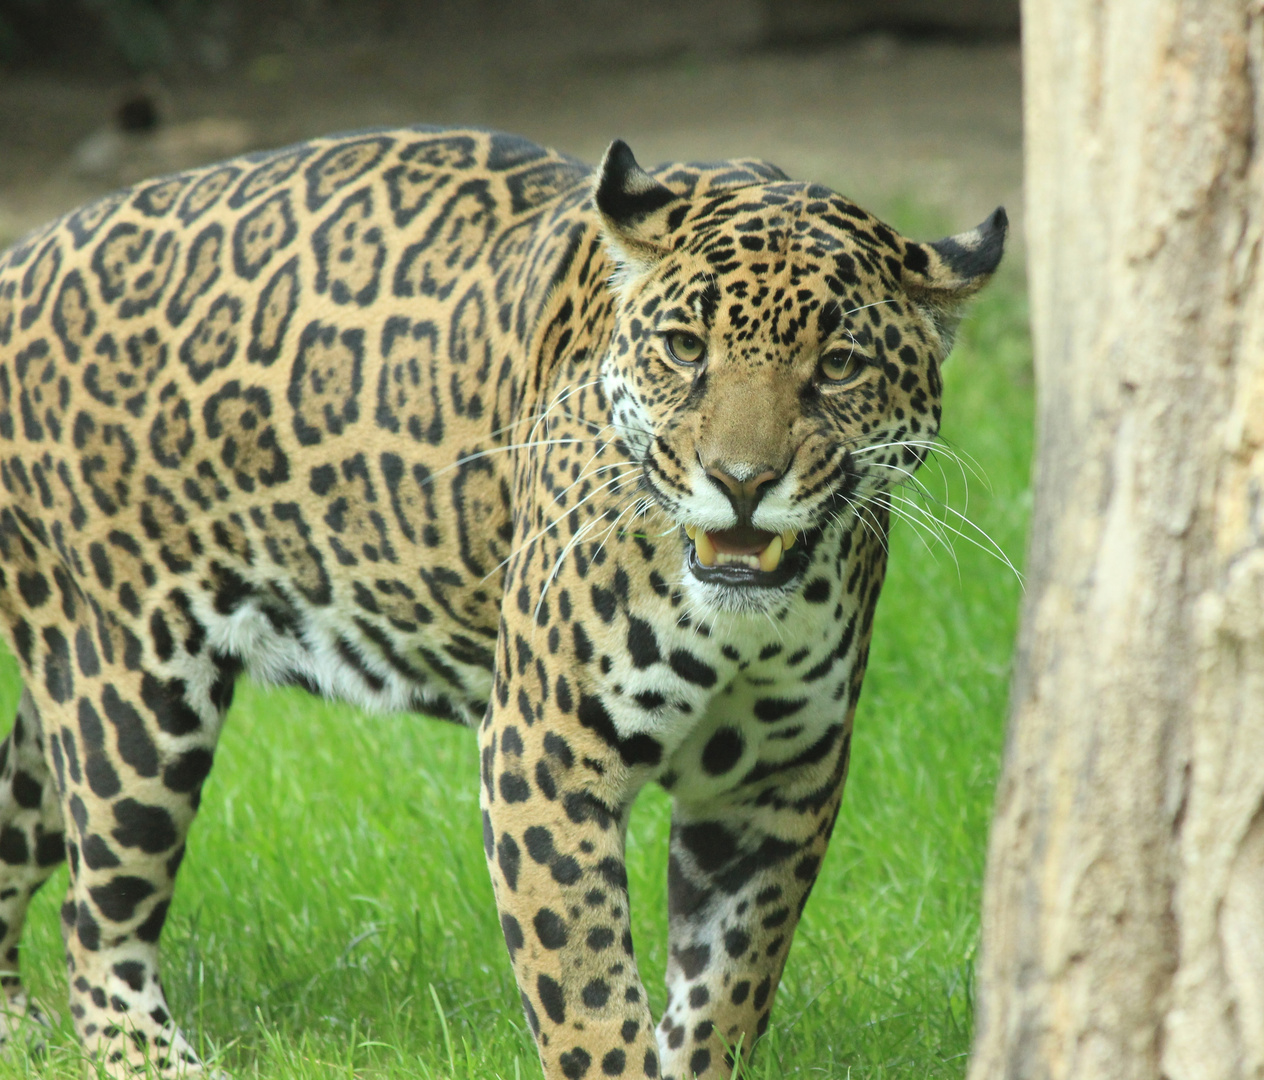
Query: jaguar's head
{"x": 776, "y": 358}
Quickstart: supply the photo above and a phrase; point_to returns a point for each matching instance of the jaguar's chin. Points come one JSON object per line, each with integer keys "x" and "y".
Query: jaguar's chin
{"x": 744, "y": 557}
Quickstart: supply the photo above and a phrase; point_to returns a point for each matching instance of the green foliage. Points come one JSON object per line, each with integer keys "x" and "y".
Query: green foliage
{"x": 334, "y": 916}
{"x": 139, "y": 29}
{"x": 142, "y": 32}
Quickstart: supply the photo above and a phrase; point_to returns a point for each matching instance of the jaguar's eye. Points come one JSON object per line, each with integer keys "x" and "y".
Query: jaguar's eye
{"x": 685, "y": 347}
{"x": 842, "y": 365}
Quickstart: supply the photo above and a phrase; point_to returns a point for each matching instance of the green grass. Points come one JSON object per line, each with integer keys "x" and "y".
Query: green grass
{"x": 334, "y": 916}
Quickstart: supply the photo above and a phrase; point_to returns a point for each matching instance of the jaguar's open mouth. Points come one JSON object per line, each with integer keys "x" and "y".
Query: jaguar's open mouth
{"x": 743, "y": 556}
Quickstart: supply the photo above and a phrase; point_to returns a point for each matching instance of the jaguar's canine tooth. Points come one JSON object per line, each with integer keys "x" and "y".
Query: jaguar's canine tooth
{"x": 691, "y": 531}
{"x": 788, "y": 539}
{"x": 705, "y": 549}
{"x": 770, "y": 557}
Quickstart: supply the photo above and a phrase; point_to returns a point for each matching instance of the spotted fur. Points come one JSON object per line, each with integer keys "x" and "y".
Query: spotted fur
{"x": 394, "y": 416}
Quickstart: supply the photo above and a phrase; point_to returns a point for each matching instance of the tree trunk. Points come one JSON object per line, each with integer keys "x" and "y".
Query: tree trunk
{"x": 1123, "y": 923}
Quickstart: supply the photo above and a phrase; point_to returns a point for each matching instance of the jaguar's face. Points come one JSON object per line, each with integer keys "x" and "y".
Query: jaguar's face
{"x": 775, "y": 365}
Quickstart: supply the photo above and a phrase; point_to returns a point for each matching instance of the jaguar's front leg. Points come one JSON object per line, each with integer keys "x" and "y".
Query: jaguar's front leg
{"x": 555, "y": 796}
{"x": 740, "y": 872}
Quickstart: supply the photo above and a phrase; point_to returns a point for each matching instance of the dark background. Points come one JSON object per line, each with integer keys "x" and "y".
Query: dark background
{"x": 212, "y": 34}
{"x": 910, "y": 106}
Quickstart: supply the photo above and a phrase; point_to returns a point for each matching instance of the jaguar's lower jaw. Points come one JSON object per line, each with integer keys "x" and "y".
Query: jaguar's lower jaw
{"x": 743, "y": 557}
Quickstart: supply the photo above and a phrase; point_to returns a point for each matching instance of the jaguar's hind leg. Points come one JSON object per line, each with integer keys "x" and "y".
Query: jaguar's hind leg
{"x": 32, "y": 844}
{"x": 129, "y": 751}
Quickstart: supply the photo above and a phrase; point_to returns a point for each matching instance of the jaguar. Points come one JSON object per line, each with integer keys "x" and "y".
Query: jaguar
{"x": 597, "y": 462}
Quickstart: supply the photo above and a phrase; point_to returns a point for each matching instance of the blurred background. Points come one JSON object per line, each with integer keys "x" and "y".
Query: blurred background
{"x": 898, "y": 103}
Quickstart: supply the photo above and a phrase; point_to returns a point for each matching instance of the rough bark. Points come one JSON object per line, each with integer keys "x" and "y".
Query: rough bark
{"x": 1123, "y": 924}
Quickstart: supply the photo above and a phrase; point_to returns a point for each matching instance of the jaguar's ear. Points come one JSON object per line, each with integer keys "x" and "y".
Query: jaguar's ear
{"x": 957, "y": 266}
{"x": 634, "y": 209}
{"x": 940, "y": 276}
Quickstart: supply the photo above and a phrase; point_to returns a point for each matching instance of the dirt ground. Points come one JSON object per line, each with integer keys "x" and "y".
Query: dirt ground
{"x": 895, "y": 124}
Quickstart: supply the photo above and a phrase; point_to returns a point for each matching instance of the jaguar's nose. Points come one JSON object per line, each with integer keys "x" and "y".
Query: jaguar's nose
{"x": 744, "y": 485}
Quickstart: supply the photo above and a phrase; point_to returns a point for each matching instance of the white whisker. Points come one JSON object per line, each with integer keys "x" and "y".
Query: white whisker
{"x": 992, "y": 548}
{"x": 556, "y": 521}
